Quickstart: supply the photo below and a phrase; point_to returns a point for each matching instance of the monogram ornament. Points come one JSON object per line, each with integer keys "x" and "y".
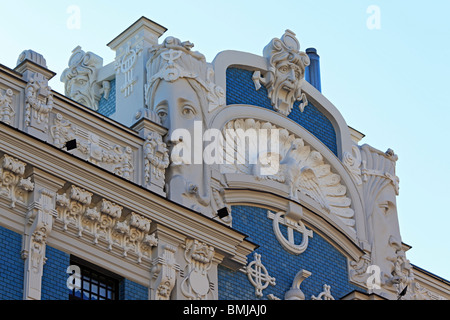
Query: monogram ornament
{"x": 293, "y": 223}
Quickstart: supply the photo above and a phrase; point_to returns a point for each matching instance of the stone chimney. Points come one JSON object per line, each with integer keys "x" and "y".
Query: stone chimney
{"x": 312, "y": 72}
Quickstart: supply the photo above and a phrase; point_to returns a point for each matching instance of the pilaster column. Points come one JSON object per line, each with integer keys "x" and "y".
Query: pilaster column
{"x": 183, "y": 268}
{"x": 166, "y": 267}
{"x": 155, "y": 152}
{"x": 38, "y": 225}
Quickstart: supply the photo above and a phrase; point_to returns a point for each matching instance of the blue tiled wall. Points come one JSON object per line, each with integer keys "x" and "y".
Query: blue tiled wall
{"x": 11, "y": 265}
{"x": 54, "y": 276}
{"x": 241, "y": 90}
{"x": 108, "y": 107}
{"x": 327, "y": 264}
{"x": 129, "y": 290}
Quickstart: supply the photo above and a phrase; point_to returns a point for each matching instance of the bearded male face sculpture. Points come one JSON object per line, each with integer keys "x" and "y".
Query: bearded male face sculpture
{"x": 80, "y": 79}
{"x": 286, "y": 71}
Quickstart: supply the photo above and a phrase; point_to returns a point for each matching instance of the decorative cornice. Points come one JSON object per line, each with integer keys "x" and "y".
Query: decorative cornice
{"x": 228, "y": 242}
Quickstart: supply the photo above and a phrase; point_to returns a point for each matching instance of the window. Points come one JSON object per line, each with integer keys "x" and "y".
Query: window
{"x": 96, "y": 283}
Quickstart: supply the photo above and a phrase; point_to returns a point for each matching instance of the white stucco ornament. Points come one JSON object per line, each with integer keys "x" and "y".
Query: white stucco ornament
{"x": 258, "y": 275}
{"x": 38, "y": 104}
{"x": 125, "y": 64}
{"x": 286, "y": 72}
{"x": 325, "y": 294}
{"x": 80, "y": 79}
{"x": 13, "y": 184}
{"x": 293, "y": 222}
{"x": 181, "y": 92}
{"x": 164, "y": 272}
{"x": 302, "y": 168}
{"x": 6, "y": 109}
{"x": 173, "y": 60}
{"x": 295, "y": 293}
{"x": 380, "y": 188}
{"x": 156, "y": 161}
{"x": 199, "y": 256}
{"x": 39, "y": 227}
{"x": 352, "y": 161}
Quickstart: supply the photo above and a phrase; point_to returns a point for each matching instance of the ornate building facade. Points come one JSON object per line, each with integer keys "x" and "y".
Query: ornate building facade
{"x": 163, "y": 176}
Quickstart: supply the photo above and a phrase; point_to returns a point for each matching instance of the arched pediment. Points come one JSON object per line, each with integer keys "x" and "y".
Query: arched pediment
{"x": 249, "y": 61}
{"x": 309, "y": 173}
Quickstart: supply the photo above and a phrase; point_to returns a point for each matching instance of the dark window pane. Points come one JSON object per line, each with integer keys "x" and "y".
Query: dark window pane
{"x": 95, "y": 285}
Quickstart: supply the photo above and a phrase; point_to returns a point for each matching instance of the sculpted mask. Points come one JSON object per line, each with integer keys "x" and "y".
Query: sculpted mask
{"x": 80, "y": 79}
{"x": 381, "y": 186}
{"x": 180, "y": 92}
{"x": 286, "y": 70}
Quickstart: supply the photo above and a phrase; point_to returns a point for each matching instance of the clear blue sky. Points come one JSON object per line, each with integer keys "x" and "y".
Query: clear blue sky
{"x": 390, "y": 83}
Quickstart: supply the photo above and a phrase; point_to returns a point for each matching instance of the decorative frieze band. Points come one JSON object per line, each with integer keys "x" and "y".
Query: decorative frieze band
{"x": 43, "y": 118}
{"x": 93, "y": 148}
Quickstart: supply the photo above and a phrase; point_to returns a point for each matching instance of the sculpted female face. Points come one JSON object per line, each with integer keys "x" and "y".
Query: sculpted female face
{"x": 387, "y": 238}
{"x": 178, "y": 106}
{"x": 180, "y": 91}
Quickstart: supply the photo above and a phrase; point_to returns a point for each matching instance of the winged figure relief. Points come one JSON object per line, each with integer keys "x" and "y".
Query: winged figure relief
{"x": 299, "y": 166}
